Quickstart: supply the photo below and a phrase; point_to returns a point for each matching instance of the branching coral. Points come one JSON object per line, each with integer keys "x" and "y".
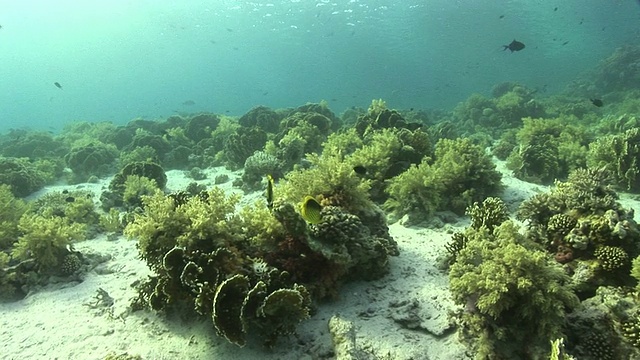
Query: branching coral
{"x": 491, "y": 213}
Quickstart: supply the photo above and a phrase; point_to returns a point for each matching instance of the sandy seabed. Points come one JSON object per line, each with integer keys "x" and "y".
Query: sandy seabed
{"x": 404, "y": 315}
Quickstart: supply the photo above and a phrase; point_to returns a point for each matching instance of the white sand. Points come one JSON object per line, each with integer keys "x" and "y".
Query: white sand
{"x": 401, "y": 316}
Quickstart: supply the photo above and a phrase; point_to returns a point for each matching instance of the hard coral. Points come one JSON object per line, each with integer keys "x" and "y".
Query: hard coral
{"x": 95, "y": 158}
{"x": 201, "y": 126}
{"x": 20, "y": 175}
{"x": 242, "y": 144}
{"x": 490, "y": 214}
{"x": 262, "y": 117}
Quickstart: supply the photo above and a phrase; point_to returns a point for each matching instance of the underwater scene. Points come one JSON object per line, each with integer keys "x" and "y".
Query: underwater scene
{"x": 351, "y": 180}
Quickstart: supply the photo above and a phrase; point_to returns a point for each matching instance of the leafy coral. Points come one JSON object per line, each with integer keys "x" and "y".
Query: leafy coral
{"x": 619, "y": 154}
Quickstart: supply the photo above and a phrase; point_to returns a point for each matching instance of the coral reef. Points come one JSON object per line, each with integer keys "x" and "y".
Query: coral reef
{"x": 581, "y": 222}
{"x": 20, "y": 175}
{"x": 201, "y": 126}
{"x": 461, "y": 174}
{"x": 262, "y": 117}
{"x": 499, "y": 277}
{"x": 255, "y": 268}
{"x": 95, "y": 158}
{"x": 548, "y": 149}
{"x": 242, "y": 144}
{"x": 621, "y": 155}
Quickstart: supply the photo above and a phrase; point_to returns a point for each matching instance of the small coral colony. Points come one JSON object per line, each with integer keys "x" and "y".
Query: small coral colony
{"x": 564, "y": 268}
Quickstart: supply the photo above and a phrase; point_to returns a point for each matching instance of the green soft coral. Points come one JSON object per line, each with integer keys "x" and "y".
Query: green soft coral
{"x": 11, "y": 209}
{"x": 46, "y": 238}
{"x": 502, "y": 276}
{"x": 466, "y": 173}
{"x": 415, "y": 192}
{"x": 208, "y": 216}
{"x": 619, "y": 154}
{"x": 548, "y": 149}
{"x": 330, "y": 178}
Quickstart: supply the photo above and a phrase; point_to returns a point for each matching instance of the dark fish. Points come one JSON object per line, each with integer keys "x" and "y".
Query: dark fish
{"x": 514, "y": 46}
{"x": 57, "y": 84}
{"x": 565, "y": 43}
{"x": 555, "y": 8}
{"x": 270, "y": 192}
{"x": 189, "y": 103}
{"x": 501, "y": 17}
{"x": 360, "y": 170}
{"x": 597, "y": 102}
{"x": 70, "y": 199}
{"x": 396, "y": 169}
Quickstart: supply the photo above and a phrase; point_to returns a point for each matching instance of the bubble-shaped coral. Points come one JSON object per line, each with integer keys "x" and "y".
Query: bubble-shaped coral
{"x": 70, "y": 264}
{"x": 611, "y": 257}
{"x": 560, "y": 225}
{"x": 337, "y": 226}
{"x": 600, "y": 347}
{"x": 631, "y": 331}
{"x": 259, "y": 165}
{"x": 490, "y": 214}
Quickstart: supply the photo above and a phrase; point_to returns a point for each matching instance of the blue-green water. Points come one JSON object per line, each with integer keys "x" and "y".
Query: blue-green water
{"x": 121, "y": 59}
